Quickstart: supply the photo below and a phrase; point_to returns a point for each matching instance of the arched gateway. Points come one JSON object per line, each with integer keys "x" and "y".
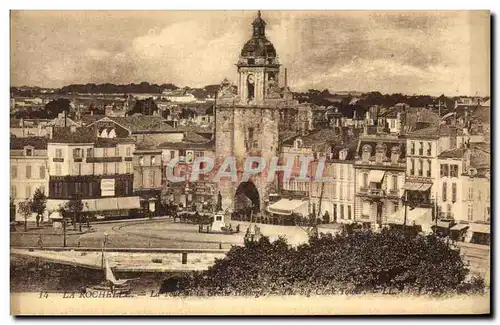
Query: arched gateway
{"x": 247, "y": 196}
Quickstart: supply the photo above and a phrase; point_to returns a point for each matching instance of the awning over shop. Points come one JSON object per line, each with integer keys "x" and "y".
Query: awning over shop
{"x": 479, "y": 227}
{"x": 411, "y": 186}
{"x": 459, "y": 226}
{"x": 376, "y": 176}
{"x": 287, "y": 207}
{"x": 55, "y": 205}
{"x": 127, "y": 203}
{"x": 106, "y": 204}
{"x": 88, "y": 205}
{"x": 417, "y": 216}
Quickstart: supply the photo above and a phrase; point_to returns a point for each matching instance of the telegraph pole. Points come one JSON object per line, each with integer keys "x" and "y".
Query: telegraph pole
{"x": 64, "y": 231}
{"x": 406, "y": 209}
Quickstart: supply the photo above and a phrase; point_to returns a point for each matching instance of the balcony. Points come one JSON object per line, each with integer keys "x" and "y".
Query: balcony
{"x": 371, "y": 192}
{"x": 103, "y": 159}
{"x": 388, "y": 165}
{"x": 393, "y": 192}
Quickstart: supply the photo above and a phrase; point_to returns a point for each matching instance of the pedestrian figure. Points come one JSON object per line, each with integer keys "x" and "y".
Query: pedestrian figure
{"x": 40, "y": 241}
{"x": 238, "y": 228}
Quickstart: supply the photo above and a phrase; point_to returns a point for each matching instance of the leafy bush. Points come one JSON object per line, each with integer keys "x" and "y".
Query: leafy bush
{"x": 358, "y": 262}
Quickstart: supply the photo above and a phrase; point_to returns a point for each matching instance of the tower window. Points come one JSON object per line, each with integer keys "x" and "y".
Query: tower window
{"x": 251, "y": 87}
{"x": 251, "y": 61}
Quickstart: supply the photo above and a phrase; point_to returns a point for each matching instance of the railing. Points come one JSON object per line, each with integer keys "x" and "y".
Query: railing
{"x": 384, "y": 163}
{"x": 393, "y": 192}
{"x": 103, "y": 159}
{"x": 372, "y": 191}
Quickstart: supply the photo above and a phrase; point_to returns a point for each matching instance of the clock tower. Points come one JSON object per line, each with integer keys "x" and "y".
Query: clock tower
{"x": 247, "y": 119}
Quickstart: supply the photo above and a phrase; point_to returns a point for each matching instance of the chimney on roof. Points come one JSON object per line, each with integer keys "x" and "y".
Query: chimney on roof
{"x": 286, "y": 78}
{"x": 50, "y": 131}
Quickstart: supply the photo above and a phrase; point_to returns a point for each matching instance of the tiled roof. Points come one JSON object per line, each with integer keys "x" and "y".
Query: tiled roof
{"x": 209, "y": 145}
{"x": 89, "y": 119}
{"x": 195, "y": 128}
{"x": 194, "y": 137}
{"x": 142, "y": 123}
{"x": 436, "y": 130}
{"x": 318, "y": 137}
{"x": 35, "y": 142}
{"x": 81, "y": 135}
{"x": 422, "y": 115}
{"x": 481, "y": 115}
{"x": 106, "y": 142}
{"x": 480, "y": 159}
{"x": 452, "y": 153}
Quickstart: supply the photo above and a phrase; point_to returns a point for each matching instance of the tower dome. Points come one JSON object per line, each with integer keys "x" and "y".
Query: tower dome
{"x": 258, "y": 50}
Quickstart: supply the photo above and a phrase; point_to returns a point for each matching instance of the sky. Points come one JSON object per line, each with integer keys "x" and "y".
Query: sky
{"x": 429, "y": 52}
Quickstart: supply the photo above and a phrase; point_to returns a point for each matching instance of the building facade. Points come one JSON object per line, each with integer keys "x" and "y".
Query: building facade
{"x": 28, "y": 168}
{"x": 93, "y": 168}
{"x": 257, "y": 105}
{"x": 380, "y": 176}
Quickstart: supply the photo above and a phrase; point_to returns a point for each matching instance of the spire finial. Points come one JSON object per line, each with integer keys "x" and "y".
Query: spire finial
{"x": 258, "y": 13}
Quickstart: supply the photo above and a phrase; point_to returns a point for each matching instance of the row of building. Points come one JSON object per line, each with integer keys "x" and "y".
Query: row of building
{"x": 115, "y": 161}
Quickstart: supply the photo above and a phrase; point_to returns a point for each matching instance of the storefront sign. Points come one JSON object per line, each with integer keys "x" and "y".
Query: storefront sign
{"x": 108, "y": 187}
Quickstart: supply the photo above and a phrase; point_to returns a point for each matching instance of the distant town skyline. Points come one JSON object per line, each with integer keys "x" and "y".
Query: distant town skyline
{"x": 430, "y": 53}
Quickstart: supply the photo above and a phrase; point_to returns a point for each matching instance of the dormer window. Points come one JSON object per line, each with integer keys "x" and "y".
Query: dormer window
{"x": 297, "y": 143}
{"x": 28, "y": 151}
{"x": 343, "y": 154}
{"x": 112, "y": 134}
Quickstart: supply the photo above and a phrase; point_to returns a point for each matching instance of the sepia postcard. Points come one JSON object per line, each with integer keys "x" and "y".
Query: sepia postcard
{"x": 250, "y": 162}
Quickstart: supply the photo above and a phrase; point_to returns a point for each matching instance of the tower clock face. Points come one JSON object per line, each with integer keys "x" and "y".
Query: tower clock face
{"x": 251, "y": 79}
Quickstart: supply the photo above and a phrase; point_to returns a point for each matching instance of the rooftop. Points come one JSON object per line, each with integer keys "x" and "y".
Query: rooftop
{"x": 434, "y": 131}
{"x": 80, "y": 135}
{"x": 480, "y": 159}
{"x": 142, "y": 123}
{"x": 35, "y": 142}
{"x": 208, "y": 145}
{"x": 452, "y": 153}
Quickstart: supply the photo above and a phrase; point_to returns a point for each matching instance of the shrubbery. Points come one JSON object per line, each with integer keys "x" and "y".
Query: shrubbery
{"x": 390, "y": 261}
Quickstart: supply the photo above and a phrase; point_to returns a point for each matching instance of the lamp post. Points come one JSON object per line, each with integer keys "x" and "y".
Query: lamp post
{"x": 64, "y": 230}
{"x": 103, "y": 249}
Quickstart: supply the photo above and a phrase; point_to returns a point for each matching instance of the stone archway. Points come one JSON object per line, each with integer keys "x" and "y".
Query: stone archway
{"x": 247, "y": 196}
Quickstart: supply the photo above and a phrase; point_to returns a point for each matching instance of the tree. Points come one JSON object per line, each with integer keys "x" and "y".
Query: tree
{"x": 25, "y": 210}
{"x": 360, "y": 262}
{"x": 187, "y": 113}
{"x": 12, "y": 214}
{"x": 144, "y": 107}
{"x": 38, "y": 205}
{"x": 75, "y": 208}
{"x": 54, "y": 107}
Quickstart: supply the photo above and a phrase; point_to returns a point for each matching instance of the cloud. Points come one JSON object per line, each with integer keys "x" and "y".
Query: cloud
{"x": 418, "y": 52}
